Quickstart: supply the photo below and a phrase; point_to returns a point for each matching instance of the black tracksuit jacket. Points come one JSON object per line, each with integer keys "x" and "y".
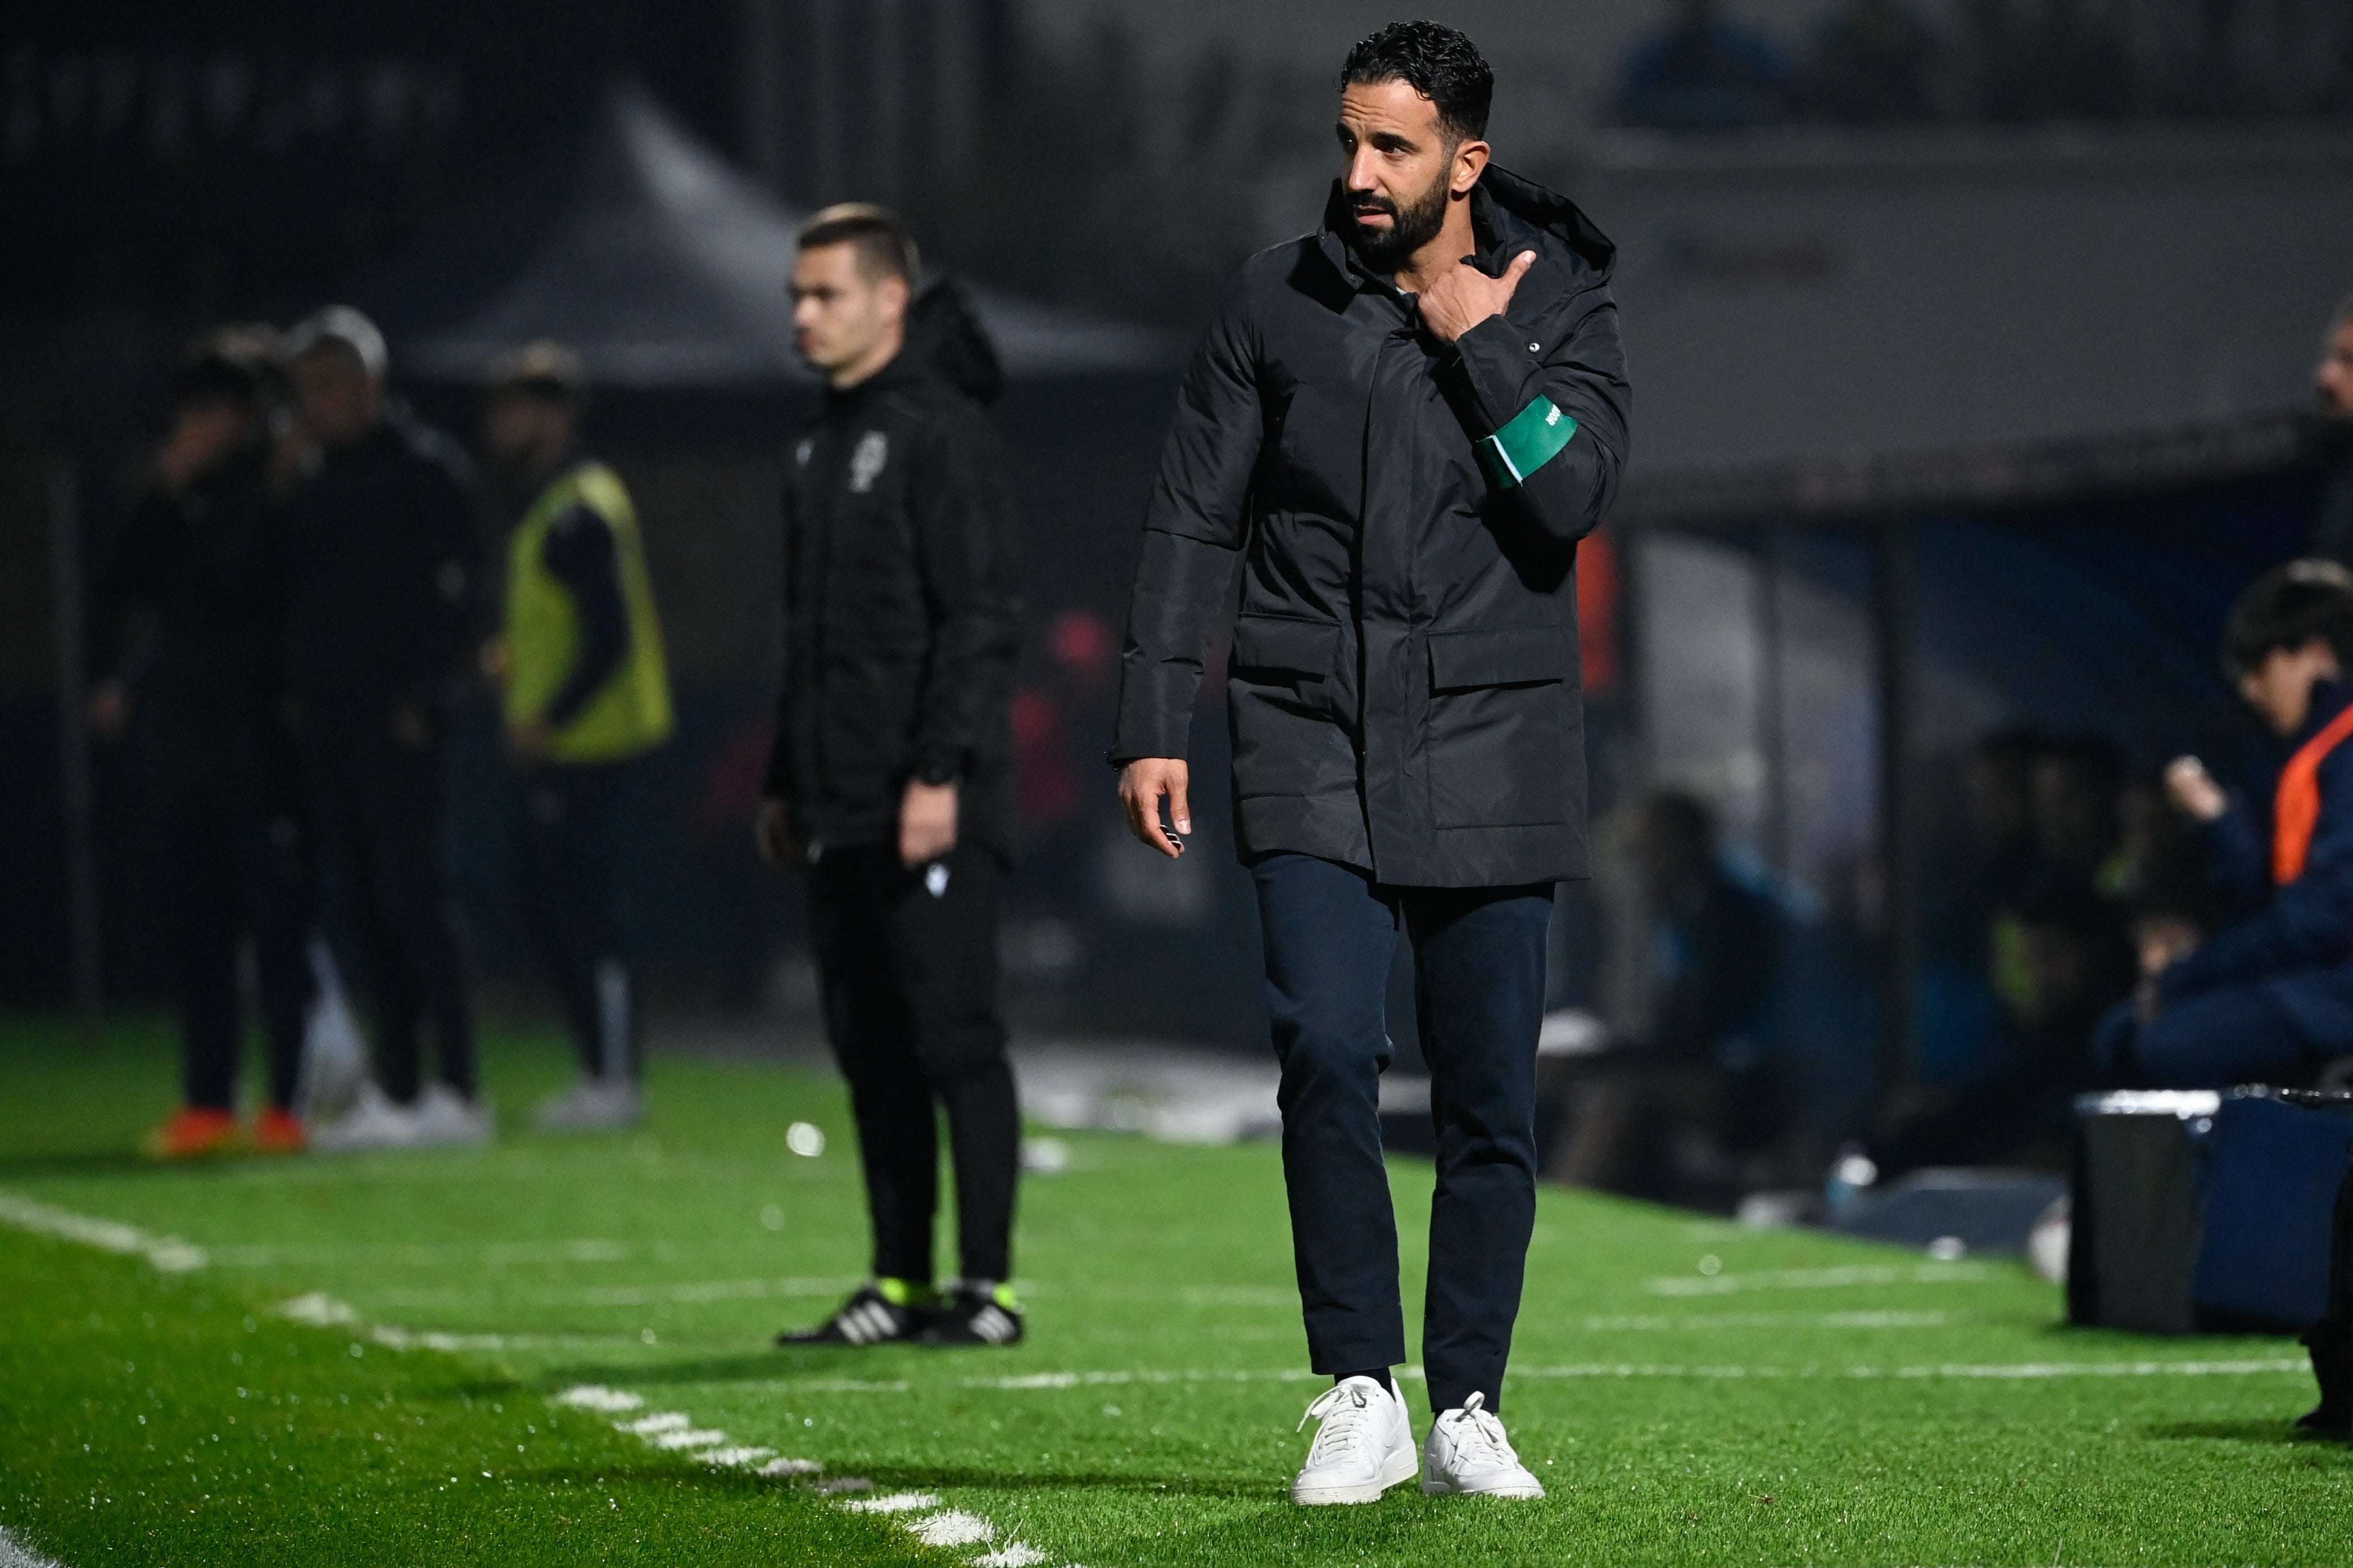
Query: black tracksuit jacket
{"x": 901, "y": 613}
{"x": 384, "y": 549}
{"x": 202, "y": 566}
{"x": 1403, "y": 690}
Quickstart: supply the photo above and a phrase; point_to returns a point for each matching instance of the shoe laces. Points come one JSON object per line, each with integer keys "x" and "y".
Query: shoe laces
{"x": 1479, "y": 1434}
{"x": 1347, "y": 1412}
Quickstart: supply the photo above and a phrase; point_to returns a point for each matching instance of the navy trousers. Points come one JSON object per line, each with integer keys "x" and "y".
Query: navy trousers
{"x": 1479, "y": 971}
{"x": 2213, "y": 1040}
{"x": 568, "y": 877}
{"x": 236, "y": 874}
{"x": 380, "y": 806}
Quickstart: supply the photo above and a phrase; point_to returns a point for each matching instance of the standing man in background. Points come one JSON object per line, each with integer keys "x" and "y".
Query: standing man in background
{"x": 587, "y": 693}
{"x": 197, "y": 564}
{"x": 385, "y": 545}
{"x": 1397, "y": 430}
{"x": 891, "y": 778}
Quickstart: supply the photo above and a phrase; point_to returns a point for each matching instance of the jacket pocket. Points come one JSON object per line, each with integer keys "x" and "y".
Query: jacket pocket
{"x": 1502, "y": 713}
{"x": 1511, "y": 656}
{"x": 1283, "y": 644}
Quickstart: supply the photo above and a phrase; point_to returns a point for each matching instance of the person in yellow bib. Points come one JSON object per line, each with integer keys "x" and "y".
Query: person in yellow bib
{"x": 586, "y": 694}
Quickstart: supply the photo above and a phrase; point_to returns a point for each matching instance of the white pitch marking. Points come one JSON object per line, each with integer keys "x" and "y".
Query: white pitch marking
{"x": 736, "y": 1458}
{"x": 840, "y": 1484}
{"x": 14, "y": 1553}
{"x": 660, "y": 1421}
{"x": 317, "y": 1309}
{"x": 166, "y": 1254}
{"x": 596, "y": 1397}
{"x": 1015, "y": 1554}
{"x": 952, "y": 1527}
{"x": 692, "y": 1437}
{"x": 793, "y": 1468}
{"x": 893, "y": 1502}
{"x": 1819, "y": 1278}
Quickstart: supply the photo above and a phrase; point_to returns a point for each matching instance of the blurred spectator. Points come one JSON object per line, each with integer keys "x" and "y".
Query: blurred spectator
{"x": 1703, "y": 73}
{"x": 385, "y": 548}
{"x": 1702, "y": 1072}
{"x": 2078, "y": 783}
{"x": 2332, "y": 386}
{"x": 587, "y": 693}
{"x": 2015, "y": 1103}
{"x": 1874, "y": 61}
{"x": 195, "y": 562}
{"x": 2268, "y": 995}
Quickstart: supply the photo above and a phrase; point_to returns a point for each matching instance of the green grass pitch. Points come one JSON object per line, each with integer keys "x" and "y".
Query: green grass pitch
{"x": 1689, "y": 1391}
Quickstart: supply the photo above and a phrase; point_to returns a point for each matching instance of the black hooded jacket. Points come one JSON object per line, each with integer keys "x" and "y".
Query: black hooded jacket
{"x": 1404, "y": 682}
{"x": 902, "y": 616}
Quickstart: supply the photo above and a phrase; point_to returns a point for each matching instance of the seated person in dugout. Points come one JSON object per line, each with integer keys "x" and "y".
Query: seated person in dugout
{"x": 2268, "y": 995}
{"x": 1700, "y": 1072}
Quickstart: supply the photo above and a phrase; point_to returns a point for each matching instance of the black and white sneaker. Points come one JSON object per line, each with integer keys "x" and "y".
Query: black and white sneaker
{"x": 869, "y": 1317}
{"x": 974, "y": 1315}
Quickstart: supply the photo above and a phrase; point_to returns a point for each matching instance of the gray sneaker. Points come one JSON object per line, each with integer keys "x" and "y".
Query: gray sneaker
{"x": 593, "y": 1105}
{"x": 373, "y": 1122}
{"x": 446, "y": 1119}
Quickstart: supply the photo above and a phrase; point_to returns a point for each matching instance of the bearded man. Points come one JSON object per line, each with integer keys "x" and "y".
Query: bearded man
{"x": 1398, "y": 428}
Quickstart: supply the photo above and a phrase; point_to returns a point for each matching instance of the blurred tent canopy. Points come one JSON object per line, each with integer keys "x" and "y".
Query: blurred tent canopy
{"x": 639, "y": 245}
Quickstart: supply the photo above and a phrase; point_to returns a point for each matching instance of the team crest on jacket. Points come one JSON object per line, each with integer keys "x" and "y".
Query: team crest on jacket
{"x": 866, "y": 461}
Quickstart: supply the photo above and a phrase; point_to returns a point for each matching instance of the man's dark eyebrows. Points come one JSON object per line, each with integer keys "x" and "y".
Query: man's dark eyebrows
{"x": 1387, "y": 140}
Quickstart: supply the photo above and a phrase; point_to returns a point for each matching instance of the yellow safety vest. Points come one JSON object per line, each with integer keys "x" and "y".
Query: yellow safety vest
{"x": 631, "y": 713}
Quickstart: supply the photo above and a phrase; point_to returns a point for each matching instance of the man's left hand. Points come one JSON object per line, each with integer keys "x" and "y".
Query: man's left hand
{"x": 1465, "y": 296}
{"x": 927, "y": 823}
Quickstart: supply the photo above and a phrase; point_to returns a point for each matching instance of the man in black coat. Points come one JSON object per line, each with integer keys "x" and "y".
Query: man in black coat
{"x": 195, "y": 566}
{"x": 385, "y": 543}
{"x": 892, "y": 777}
{"x": 1398, "y": 428}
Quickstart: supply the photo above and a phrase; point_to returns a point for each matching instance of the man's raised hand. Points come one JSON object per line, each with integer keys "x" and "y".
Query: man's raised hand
{"x": 1463, "y": 296}
{"x": 1142, "y": 784}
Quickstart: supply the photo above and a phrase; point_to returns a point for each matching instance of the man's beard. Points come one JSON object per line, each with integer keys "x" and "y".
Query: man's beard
{"x": 1411, "y": 228}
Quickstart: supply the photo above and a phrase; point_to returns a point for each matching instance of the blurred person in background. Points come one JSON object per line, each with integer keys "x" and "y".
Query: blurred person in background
{"x": 1703, "y": 1074}
{"x": 1705, "y": 72}
{"x": 2332, "y": 387}
{"x": 385, "y": 545}
{"x": 1873, "y": 64}
{"x": 1389, "y": 445}
{"x": 891, "y": 780}
{"x": 197, "y": 564}
{"x": 586, "y": 694}
{"x": 2268, "y": 994}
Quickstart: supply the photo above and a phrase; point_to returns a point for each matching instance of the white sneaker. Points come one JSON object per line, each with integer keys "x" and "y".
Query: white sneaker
{"x": 446, "y": 1119}
{"x": 593, "y": 1105}
{"x": 1364, "y": 1447}
{"x": 1468, "y": 1453}
{"x": 373, "y": 1122}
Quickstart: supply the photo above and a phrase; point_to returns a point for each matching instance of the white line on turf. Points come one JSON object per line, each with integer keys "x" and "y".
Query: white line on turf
{"x": 167, "y": 1254}
{"x": 1820, "y": 1278}
{"x": 13, "y": 1554}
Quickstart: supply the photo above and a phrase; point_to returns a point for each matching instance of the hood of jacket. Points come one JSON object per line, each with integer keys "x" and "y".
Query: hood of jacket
{"x": 944, "y": 337}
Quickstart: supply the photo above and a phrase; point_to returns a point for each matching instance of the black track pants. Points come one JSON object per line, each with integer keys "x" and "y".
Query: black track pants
{"x": 908, "y": 961}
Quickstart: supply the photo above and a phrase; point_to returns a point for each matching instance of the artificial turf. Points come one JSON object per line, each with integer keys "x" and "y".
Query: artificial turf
{"x": 1689, "y": 1391}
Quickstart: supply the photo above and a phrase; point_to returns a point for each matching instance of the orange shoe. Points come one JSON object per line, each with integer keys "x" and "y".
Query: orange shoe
{"x": 192, "y": 1134}
{"x": 280, "y": 1131}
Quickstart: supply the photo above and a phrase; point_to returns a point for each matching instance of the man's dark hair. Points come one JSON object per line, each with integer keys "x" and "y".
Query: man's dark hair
{"x": 885, "y": 248}
{"x": 2287, "y": 607}
{"x": 1437, "y": 62}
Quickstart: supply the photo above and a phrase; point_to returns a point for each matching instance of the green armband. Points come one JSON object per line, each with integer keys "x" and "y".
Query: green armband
{"x": 1533, "y": 438}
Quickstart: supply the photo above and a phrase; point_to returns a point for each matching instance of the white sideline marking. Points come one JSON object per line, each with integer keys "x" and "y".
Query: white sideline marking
{"x": 166, "y": 1254}
{"x": 809, "y": 1468}
{"x": 596, "y": 1397}
{"x": 655, "y": 1424}
{"x": 1819, "y": 1278}
{"x": 893, "y": 1502}
{"x": 14, "y": 1553}
{"x": 2024, "y": 1371}
{"x": 692, "y": 1437}
{"x": 952, "y": 1527}
{"x": 319, "y": 1311}
{"x": 1016, "y": 1554}
{"x": 736, "y": 1458}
